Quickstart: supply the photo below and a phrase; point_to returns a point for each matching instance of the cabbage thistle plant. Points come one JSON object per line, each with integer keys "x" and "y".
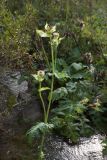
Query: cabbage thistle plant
{"x": 44, "y": 127}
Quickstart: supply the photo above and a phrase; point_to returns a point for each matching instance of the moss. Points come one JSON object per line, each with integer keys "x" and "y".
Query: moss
{"x": 11, "y": 101}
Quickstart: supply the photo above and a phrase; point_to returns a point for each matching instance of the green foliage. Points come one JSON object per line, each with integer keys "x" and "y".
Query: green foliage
{"x": 38, "y": 130}
{"x": 59, "y": 93}
{"x": 54, "y": 40}
{"x": 69, "y": 116}
{"x": 73, "y": 94}
{"x": 73, "y": 73}
{"x": 16, "y": 35}
{"x": 104, "y": 143}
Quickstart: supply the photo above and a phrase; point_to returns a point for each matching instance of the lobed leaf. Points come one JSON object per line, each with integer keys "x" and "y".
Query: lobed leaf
{"x": 38, "y": 130}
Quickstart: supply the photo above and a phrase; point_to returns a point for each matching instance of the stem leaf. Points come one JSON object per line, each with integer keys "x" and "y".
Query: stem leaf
{"x": 43, "y": 89}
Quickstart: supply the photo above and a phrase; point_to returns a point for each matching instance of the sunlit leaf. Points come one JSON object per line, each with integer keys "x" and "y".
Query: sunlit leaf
{"x": 61, "y": 75}
{"x": 44, "y": 89}
{"x": 35, "y": 76}
{"x": 53, "y": 29}
{"x": 42, "y": 33}
{"x": 77, "y": 66}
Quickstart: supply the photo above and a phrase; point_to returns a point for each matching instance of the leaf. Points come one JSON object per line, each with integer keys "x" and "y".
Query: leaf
{"x": 63, "y": 110}
{"x": 61, "y": 75}
{"x": 71, "y": 87}
{"x": 60, "y": 39}
{"x": 53, "y": 29}
{"x": 79, "y": 108}
{"x": 61, "y": 63}
{"x": 35, "y": 76}
{"x": 38, "y": 130}
{"x": 77, "y": 75}
{"x": 50, "y": 29}
{"x": 59, "y": 93}
{"x": 44, "y": 89}
{"x": 42, "y": 33}
{"x": 58, "y": 122}
{"x": 47, "y": 27}
{"x": 77, "y": 66}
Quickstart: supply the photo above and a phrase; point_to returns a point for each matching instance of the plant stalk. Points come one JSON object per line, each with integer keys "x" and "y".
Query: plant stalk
{"x": 41, "y": 147}
{"x": 52, "y": 83}
{"x": 43, "y": 104}
{"x": 46, "y": 113}
{"x": 43, "y": 136}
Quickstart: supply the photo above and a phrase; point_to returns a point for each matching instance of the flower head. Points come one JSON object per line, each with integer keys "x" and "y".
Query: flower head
{"x": 39, "y": 76}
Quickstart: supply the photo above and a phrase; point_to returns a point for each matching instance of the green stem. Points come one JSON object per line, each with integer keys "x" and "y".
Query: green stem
{"x": 52, "y": 82}
{"x": 55, "y": 58}
{"x": 43, "y": 104}
{"x": 41, "y": 147}
{"x": 43, "y": 136}
{"x": 50, "y": 99}
{"x": 46, "y": 113}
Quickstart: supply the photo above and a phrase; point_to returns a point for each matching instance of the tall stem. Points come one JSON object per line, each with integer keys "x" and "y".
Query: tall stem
{"x": 46, "y": 113}
{"x": 52, "y": 82}
{"x": 41, "y": 147}
{"x": 43, "y": 104}
{"x": 43, "y": 136}
{"x": 55, "y": 57}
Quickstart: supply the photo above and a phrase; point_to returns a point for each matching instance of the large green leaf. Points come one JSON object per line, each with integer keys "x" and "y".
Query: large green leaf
{"x": 78, "y": 75}
{"x": 61, "y": 75}
{"x": 77, "y": 66}
{"x": 59, "y": 93}
{"x": 65, "y": 107}
{"x": 38, "y": 130}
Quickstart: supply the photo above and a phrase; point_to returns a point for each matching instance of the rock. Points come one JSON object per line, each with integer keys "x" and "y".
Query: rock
{"x": 32, "y": 112}
{"x": 88, "y": 149}
{"x": 18, "y": 111}
{"x": 11, "y": 80}
{"x": 17, "y": 104}
{"x": 105, "y": 157}
{"x": 27, "y": 112}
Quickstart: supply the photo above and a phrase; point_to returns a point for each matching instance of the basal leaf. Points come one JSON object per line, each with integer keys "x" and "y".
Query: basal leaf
{"x": 38, "y": 130}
